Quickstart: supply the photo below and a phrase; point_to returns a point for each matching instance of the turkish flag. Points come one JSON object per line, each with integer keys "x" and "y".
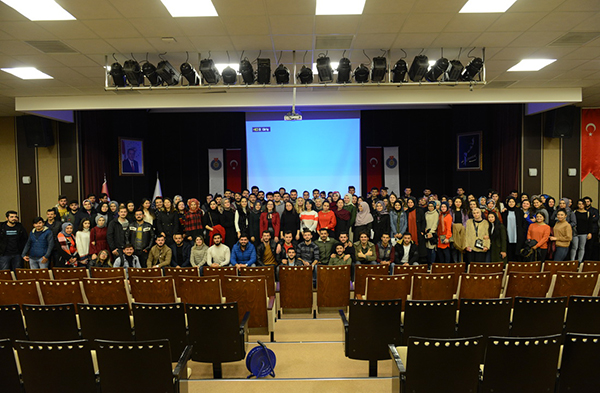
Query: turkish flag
{"x": 590, "y": 143}
{"x": 374, "y": 167}
{"x": 233, "y": 170}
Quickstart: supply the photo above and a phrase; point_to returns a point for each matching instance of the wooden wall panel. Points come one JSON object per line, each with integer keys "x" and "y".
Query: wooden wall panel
{"x": 48, "y": 176}
{"x": 28, "y": 193}
{"x": 532, "y": 154}
{"x": 571, "y": 158}
{"x": 8, "y": 175}
{"x": 68, "y": 156}
{"x": 551, "y": 167}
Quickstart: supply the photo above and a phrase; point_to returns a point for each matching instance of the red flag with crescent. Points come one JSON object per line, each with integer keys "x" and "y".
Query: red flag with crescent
{"x": 590, "y": 143}
{"x": 374, "y": 167}
{"x": 233, "y": 171}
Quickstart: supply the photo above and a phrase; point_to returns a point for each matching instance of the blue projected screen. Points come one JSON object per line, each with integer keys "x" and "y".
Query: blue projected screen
{"x": 321, "y": 153}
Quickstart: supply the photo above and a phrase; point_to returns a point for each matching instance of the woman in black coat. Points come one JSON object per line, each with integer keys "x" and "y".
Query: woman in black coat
{"x": 516, "y": 229}
{"x": 167, "y": 221}
{"x": 381, "y": 222}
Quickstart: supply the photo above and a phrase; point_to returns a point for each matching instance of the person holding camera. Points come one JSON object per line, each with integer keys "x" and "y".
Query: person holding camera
{"x": 477, "y": 237}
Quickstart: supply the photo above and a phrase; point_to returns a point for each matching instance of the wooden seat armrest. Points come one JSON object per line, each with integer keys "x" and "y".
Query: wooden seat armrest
{"x": 271, "y": 303}
{"x": 244, "y": 322}
{"x": 344, "y": 319}
{"x": 180, "y": 370}
{"x": 396, "y": 359}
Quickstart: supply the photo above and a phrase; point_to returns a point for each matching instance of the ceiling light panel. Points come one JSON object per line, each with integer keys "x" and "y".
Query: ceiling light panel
{"x": 27, "y": 73}
{"x": 190, "y": 8}
{"x": 485, "y": 6}
{"x": 39, "y": 10}
{"x": 531, "y": 64}
{"x": 340, "y": 7}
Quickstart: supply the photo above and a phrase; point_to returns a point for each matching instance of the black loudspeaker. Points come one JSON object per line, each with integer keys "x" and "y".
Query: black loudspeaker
{"x": 38, "y": 131}
{"x": 562, "y": 122}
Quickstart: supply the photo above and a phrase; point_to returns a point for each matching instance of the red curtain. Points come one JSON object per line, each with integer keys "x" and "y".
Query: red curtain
{"x": 506, "y": 148}
{"x": 94, "y": 149}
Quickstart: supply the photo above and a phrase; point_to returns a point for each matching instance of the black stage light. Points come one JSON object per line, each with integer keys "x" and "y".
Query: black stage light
{"x": 361, "y": 74}
{"x": 418, "y": 68}
{"x": 399, "y": 71}
{"x": 324, "y": 69}
{"x": 190, "y": 74}
{"x": 263, "y": 72}
{"x": 454, "y": 70}
{"x": 379, "y": 69}
{"x": 149, "y": 71}
{"x": 472, "y": 69}
{"x": 229, "y": 76}
{"x": 305, "y": 75}
{"x": 282, "y": 75}
{"x": 209, "y": 72}
{"x": 438, "y": 69}
{"x": 133, "y": 72}
{"x": 247, "y": 71}
{"x": 344, "y": 69}
{"x": 168, "y": 73}
{"x": 116, "y": 71}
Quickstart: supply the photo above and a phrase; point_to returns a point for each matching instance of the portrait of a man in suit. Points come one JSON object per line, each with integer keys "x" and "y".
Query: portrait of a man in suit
{"x": 130, "y": 165}
{"x": 131, "y": 157}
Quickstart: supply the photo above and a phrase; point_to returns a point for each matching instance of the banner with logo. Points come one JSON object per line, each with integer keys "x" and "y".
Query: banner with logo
{"x": 590, "y": 143}
{"x": 233, "y": 171}
{"x": 374, "y": 168}
{"x": 216, "y": 183}
{"x": 391, "y": 174}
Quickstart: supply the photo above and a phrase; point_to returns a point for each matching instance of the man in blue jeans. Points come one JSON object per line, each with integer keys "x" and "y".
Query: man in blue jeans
{"x": 12, "y": 242}
{"x": 39, "y": 246}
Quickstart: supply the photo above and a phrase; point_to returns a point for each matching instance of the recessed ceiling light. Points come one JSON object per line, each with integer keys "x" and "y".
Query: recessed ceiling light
{"x": 531, "y": 64}
{"x": 27, "y": 73}
{"x": 39, "y": 9}
{"x": 190, "y": 8}
{"x": 340, "y": 7}
{"x": 482, "y": 6}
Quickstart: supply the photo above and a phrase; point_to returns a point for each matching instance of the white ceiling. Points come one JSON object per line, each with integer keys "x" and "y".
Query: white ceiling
{"x": 138, "y": 26}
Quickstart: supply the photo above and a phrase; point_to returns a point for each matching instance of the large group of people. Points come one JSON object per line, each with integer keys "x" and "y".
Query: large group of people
{"x": 254, "y": 228}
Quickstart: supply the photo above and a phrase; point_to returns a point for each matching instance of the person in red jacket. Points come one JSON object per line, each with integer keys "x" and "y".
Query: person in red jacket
{"x": 540, "y": 232}
{"x": 270, "y": 221}
{"x": 327, "y": 219}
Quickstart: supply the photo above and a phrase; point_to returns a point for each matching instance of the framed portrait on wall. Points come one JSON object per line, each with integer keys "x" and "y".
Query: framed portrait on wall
{"x": 131, "y": 157}
{"x": 468, "y": 152}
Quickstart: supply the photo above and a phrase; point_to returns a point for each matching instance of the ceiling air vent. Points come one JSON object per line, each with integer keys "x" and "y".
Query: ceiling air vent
{"x": 51, "y": 47}
{"x": 333, "y": 41}
{"x": 575, "y": 38}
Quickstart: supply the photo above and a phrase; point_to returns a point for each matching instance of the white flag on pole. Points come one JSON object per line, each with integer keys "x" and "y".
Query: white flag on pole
{"x": 157, "y": 189}
{"x": 391, "y": 177}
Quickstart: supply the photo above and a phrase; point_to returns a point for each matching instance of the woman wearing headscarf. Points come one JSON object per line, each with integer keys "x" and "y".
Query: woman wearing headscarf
{"x": 415, "y": 218}
{"x": 254, "y": 222}
{"x": 444, "y": 231}
{"x": 113, "y": 206}
{"x": 98, "y": 240}
{"x": 514, "y": 219}
{"x": 381, "y": 221}
{"x": 67, "y": 249}
{"x": 193, "y": 220}
{"x": 563, "y": 203}
{"x": 290, "y": 221}
{"x": 460, "y": 215}
{"x": 130, "y": 211}
{"x": 432, "y": 219}
{"x": 364, "y": 221}
{"x": 104, "y": 211}
{"x": 490, "y": 207}
{"x": 351, "y": 207}
{"x": 342, "y": 218}
{"x": 397, "y": 221}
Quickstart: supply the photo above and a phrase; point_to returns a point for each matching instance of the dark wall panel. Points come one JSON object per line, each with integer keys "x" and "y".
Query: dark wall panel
{"x": 26, "y": 161}
{"x": 68, "y": 159}
{"x": 532, "y": 153}
{"x": 571, "y": 158}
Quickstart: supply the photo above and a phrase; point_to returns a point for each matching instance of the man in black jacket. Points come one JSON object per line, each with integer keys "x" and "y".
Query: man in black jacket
{"x": 591, "y": 247}
{"x": 13, "y": 238}
{"x": 117, "y": 233}
{"x": 407, "y": 252}
{"x": 181, "y": 252}
{"x": 266, "y": 252}
{"x": 141, "y": 236}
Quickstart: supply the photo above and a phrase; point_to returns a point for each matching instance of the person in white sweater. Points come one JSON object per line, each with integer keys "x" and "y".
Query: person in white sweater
{"x": 82, "y": 240}
{"x": 218, "y": 254}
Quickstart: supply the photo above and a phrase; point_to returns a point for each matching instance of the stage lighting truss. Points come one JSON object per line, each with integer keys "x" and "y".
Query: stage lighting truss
{"x": 130, "y": 74}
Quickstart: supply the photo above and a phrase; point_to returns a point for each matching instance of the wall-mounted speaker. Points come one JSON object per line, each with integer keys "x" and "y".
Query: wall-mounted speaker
{"x": 562, "y": 122}
{"x": 38, "y": 130}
